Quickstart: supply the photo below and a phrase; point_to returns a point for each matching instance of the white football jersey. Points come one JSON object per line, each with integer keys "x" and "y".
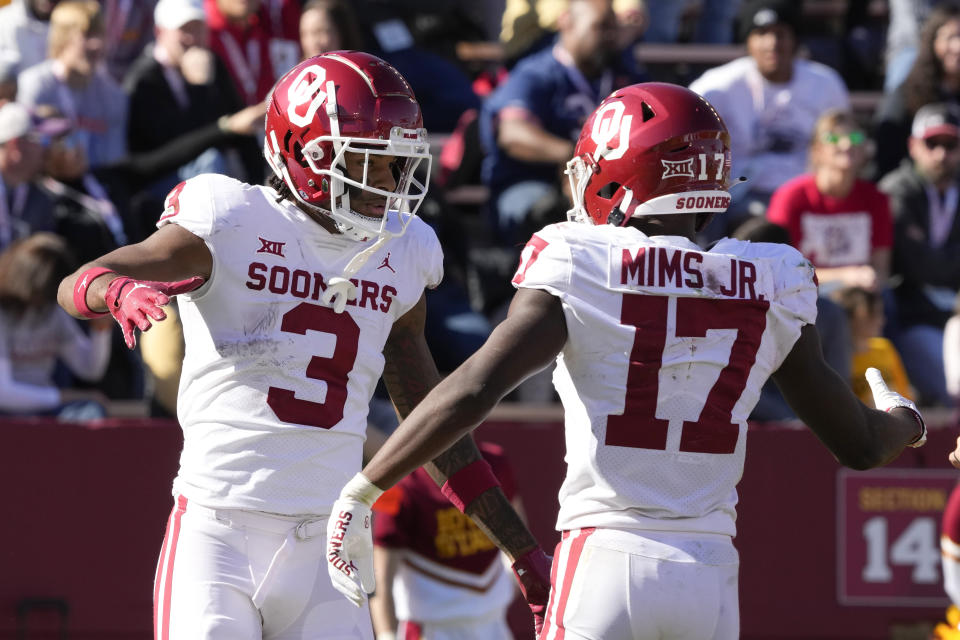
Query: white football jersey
{"x": 668, "y": 346}
{"x": 275, "y": 385}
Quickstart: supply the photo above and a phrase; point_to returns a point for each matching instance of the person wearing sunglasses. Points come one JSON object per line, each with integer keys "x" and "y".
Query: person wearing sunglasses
{"x": 924, "y": 196}
{"x": 838, "y": 220}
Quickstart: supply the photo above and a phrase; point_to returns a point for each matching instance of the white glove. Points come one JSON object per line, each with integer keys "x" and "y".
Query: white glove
{"x": 350, "y": 540}
{"x": 885, "y": 400}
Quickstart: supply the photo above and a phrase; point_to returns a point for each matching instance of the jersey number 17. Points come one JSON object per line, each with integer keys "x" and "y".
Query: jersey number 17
{"x": 712, "y": 431}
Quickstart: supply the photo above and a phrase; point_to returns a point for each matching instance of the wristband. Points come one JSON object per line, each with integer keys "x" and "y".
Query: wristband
{"x": 362, "y": 490}
{"x": 466, "y": 485}
{"x": 80, "y": 292}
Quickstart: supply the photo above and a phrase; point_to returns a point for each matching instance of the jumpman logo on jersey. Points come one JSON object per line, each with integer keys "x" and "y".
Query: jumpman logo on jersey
{"x": 386, "y": 263}
{"x": 270, "y": 246}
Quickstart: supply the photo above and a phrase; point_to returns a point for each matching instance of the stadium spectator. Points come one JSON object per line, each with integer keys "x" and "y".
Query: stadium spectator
{"x": 951, "y": 355}
{"x": 831, "y": 323}
{"x": 275, "y": 385}
{"x": 440, "y": 576}
{"x": 838, "y": 221}
{"x": 177, "y": 87}
{"x": 24, "y": 209}
{"x": 934, "y": 77}
{"x": 924, "y": 198}
{"x": 865, "y": 313}
{"x": 35, "y": 333}
{"x": 526, "y": 26}
{"x": 128, "y": 29}
{"x": 770, "y": 100}
{"x": 74, "y": 82}
{"x": 113, "y": 202}
{"x": 328, "y": 25}
{"x": 24, "y": 26}
{"x": 714, "y": 23}
{"x": 84, "y": 211}
{"x": 903, "y": 38}
{"x": 8, "y": 78}
{"x": 656, "y": 400}
{"x": 257, "y": 40}
{"x": 529, "y": 124}
{"x": 419, "y": 39}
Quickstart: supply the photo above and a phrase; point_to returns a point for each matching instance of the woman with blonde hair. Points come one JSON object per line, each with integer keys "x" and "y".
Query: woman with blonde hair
{"x": 838, "y": 220}
{"x": 74, "y": 82}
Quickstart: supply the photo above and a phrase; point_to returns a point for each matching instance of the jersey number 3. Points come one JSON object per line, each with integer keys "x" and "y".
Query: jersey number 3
{"x": 334, "y": 370}
{"x": 713, "y": 431}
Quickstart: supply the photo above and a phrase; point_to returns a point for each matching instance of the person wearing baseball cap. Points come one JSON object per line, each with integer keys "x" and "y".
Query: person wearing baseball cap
{"x": 179, "y": 87}
{"x": 23, "y": 208}
{"x": 924, "y": 194}
{"x": 174, "y": 14}
{"x": 770, "y": 100}
{"x": 935, "y": 120}
{"x": 764, "y": 14}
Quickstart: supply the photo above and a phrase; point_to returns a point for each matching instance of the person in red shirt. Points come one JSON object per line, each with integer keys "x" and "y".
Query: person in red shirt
{"x": 440, "y": 575}
{"x": 838, "y": 221}
{"x": 258, "y": 40}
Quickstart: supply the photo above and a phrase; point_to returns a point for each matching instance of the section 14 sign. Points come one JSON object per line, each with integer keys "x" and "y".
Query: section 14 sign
{"x": 888, "y": 538}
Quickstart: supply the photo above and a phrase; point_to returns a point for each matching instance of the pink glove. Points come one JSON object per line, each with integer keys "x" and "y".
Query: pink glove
{"x": 533, "y": 574}
{"x": 132, "y": 302}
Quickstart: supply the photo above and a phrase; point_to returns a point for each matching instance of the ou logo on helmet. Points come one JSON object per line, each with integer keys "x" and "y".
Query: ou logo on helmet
{"x": 608, "y": 124}
{"x": 301, "y": 92}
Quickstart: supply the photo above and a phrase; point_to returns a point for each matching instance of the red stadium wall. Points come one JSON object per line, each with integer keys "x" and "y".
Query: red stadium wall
{"x": 825, "y": 553}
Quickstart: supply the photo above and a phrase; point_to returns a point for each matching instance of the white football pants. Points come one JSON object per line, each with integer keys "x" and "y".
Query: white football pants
{"x": 603, "y": 589}
{"x": 229, "y": 574}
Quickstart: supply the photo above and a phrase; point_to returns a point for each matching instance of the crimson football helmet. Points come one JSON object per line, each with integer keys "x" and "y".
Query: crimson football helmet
{"x": 650, "y": 149}
{"x": 339, "y": 102}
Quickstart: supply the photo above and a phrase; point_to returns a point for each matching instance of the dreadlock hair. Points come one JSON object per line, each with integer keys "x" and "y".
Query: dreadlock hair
{"x": 281, "y": 187}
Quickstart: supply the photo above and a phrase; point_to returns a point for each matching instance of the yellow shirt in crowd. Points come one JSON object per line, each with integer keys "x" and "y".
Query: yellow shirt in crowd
{"x": 883, "y": 355}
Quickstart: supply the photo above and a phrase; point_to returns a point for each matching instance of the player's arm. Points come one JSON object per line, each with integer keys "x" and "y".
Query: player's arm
{"x": 382, "y": 610}
{"x": 170, "y": 253}
{"x": 522, "y": 138}
{"x": 528, "y": 340}
{"x": 858, "y": 436}
{"x": 409, "y": 373}
{"x": 170, "y": 261}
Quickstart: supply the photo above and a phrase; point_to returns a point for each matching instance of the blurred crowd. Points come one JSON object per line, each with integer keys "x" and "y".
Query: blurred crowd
{"x": 105, "y": 106}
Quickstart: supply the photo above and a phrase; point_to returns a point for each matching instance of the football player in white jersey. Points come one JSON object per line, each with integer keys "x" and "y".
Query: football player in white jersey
{"x": 294, "y": 299}
{"x": 661, "y": 350}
